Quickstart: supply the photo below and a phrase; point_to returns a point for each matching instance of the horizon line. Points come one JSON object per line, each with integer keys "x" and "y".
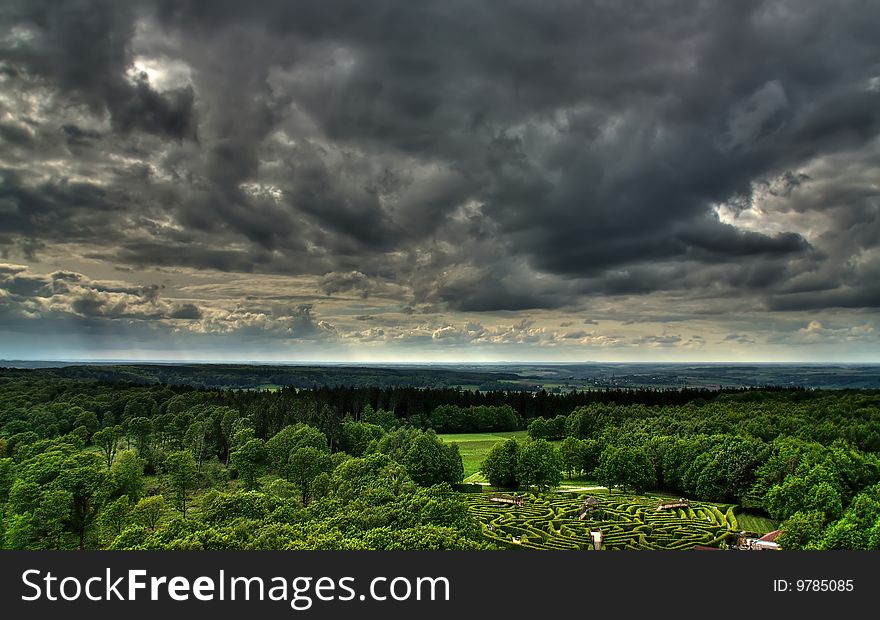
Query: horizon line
{"x": 428, "y": 363}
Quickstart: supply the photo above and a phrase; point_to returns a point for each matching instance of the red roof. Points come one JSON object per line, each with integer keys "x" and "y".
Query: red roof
{"x": 771, "y": 537}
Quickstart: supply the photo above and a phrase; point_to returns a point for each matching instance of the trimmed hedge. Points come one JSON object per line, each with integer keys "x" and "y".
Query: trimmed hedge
{"x": 550, "y": 521}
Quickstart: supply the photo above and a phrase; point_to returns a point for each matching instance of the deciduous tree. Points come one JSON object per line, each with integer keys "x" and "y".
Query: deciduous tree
{"x": 107, "y": 439}
{"x": 182, "y": 477}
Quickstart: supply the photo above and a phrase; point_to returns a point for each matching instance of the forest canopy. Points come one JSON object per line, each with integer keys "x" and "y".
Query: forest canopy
{"x": 88, "y": 464}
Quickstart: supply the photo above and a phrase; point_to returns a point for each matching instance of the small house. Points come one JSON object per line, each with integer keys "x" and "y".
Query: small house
{"x": 771, "y": 536}
{"x": 749, "y": 541}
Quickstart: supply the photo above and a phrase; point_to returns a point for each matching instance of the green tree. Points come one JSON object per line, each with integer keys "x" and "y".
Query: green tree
{"x": 582, "y": 423}
{"x": 540, "y": 464}
{"x": 228, "y": 427}
{"x": 140, "y": 406}
{"x": 89, "y": 420}
{"x": 386, "y": 419}
{"x": 727, "y": 471}
{"x": 801, "y": 530}
{"x": 50, "y": 518}
{"x": 826, "y": 499}
{"x": 397, "y": 443}
{"x": 126, "y": 476}
{"x": 539, "y": 429}
{"x": 430, "y": 461}
{"x": 859, "y": 528}
{"x": 7, "y": 477}
{"x": 82, "y": 433}
{"x": 140, "y": 429}
{"x": 148, "y": 511}
{"x": 196, "y": 440}
{"x": 501, "y": 464}
{"x": 182, "y": 477}
{"x": 114, "y": 517}
{"x": 303, "y": 467}
{"x": 242, "y": 435}
{"x": 626, "y": 467}
{"x": 250, "y": 462}
{"x": 83, "y": 477}
{"x": 591, "y": 450}
{"x": 373, "y": 476}
{"x": 572, "y": 453}
{"x": 808, "y": 489}
{"x": 356, "y": 437}
{"x": 19, "y": 532}
{"x": 107, "y": 439}
{"x": 291, "y": 438}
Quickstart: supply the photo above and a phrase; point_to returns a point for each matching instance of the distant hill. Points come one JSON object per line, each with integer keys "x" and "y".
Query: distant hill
{"x": 512, "y": 377}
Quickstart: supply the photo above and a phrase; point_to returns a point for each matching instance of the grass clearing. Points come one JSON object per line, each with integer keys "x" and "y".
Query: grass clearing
{"x": 474, "y": 447}
{"x": 578, "y": 481}
{"x": 755, "y": 523}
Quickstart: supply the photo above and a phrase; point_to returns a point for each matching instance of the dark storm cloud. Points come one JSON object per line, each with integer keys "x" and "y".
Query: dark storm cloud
{"x": 13, "y": 134}
{"x": 186, "y": 311}
{"x": 867, "y": 296}
{"x": 484, "y": 156}
{"x": 83, "y": 49}
{"x": 484, "y": 294}
{"x": 77, "y": 136}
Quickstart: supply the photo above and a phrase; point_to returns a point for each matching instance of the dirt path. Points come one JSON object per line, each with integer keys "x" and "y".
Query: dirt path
{"x": 578, "y": 489}
{"x": 560, "y": 489}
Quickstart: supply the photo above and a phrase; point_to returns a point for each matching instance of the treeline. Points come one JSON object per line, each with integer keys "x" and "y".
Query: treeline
{"x": 247, "y": 376}
{"x": 348, "y": 395}
{"x": 819, "y": 416}
{"x": 415, "y": 405}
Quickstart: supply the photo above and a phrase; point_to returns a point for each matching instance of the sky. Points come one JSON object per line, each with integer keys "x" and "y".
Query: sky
{"x": 404, "y": 180}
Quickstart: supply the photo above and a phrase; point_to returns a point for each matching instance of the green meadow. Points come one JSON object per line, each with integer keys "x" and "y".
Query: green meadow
{"x": 474, "y": 447}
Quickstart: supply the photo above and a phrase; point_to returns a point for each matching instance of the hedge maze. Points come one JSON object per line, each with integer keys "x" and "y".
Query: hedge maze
{"x": 551, "y": 521}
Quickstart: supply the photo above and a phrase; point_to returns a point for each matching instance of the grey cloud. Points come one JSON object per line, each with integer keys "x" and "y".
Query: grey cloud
{"x": 574, "y": 335}
{"x": 83, "y": 47}
{"x": 843, "y": 297}
{"x": 14, "y": 134}
{"x": 77, "y": 136}
{"x": 357, "y": 281}
{"x": 186, "y": 311}
{"x": 658, "y": 341}
{"x": 301, "y": 323}
{"x": 738, "y": 339}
